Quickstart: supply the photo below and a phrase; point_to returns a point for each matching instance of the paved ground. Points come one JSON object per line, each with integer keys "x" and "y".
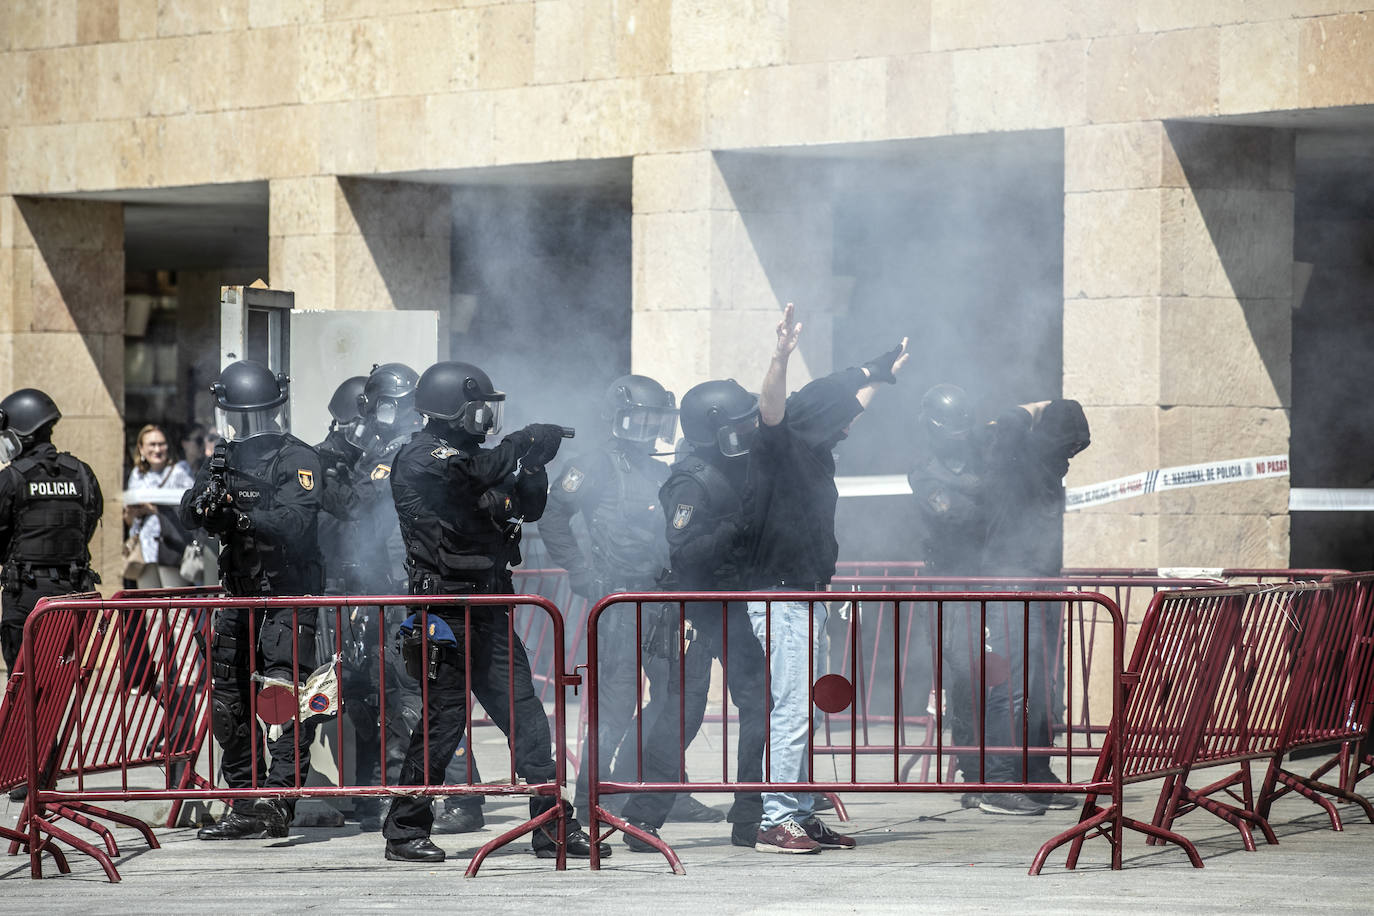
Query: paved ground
{"x": 915, "y": 852}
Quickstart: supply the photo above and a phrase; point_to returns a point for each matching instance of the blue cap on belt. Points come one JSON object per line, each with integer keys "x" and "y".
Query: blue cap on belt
{"x": 439, "y": 630}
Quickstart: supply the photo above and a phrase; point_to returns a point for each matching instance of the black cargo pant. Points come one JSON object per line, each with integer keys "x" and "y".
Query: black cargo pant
{"x": 663, "y": 745}
{"x": 239, "y": 735}
{"x": 499, "y": 668}
{"x": 21, "y": 592}
{"x": 619, "y": 662}
{"x": 363, "y": 687}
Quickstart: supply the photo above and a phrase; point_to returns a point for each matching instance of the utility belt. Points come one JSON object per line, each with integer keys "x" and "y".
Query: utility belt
{"x": 18, "y": 573}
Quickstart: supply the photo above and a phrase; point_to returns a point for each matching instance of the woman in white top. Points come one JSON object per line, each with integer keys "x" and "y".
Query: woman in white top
{"x": 153, "y": 469}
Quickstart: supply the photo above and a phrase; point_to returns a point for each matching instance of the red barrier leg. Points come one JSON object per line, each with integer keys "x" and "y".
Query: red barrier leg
{"x": 22, "y": 839}
{"x": 81, "y": 820}
{"x": 657, "y": 842}
{"x": 557, "y": 812}
{"x": 126, "y": 819}
{"x": 80, "y": 845}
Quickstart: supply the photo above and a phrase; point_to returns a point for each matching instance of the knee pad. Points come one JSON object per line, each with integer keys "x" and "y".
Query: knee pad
{"x": 227, "y": 720}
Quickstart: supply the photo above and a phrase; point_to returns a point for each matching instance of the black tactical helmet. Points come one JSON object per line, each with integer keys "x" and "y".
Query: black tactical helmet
{"x": 343, "y": 406}
{"x": 462, "y": 392}
{"x": 249, "y": 399}
{"x": 26, "y": 411}
{"x": 392, "y": 381}
{"x": 639, "y": 409}
{"x": 720, "y": 413}
{"x": 945, "y": 413}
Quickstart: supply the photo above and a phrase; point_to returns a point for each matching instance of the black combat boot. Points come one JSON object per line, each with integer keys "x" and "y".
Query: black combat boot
{"x": 235, "y": 826}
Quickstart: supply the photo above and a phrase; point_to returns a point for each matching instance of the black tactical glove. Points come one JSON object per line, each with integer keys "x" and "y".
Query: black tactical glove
{"x": 880, "y": 367}
{"x": 585, "y": 583}
{"x": 546, "y": 439}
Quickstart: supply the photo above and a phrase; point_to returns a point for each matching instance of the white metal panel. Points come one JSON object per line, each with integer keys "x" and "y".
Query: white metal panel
{"x": 329, "y": 346}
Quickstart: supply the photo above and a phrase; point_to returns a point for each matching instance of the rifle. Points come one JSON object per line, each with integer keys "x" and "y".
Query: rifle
{"x": 216, "y": 493}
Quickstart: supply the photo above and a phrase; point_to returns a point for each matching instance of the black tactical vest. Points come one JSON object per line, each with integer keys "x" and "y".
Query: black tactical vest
{"x": 54, "y": 509}
{"x": 626, "y": 523}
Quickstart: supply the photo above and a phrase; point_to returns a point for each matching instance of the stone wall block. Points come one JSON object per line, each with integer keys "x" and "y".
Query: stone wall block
{"x": 344, "y": 60}
{"x": 1204, "y": 156}
{"x": 458, "y": 128}
{"x": 1122, "y": 263}
{"x": 1247, "y": 497}
{"x": 137, "y": 153}
{"x": 1168, "y": 15}
{"x": 74, "y": 224}
{"x": 1115, "y": 343}
{"x": 1093, "y": 538}
{"x": 1224, "y": 352}
{"x": 57, "y": 85}
{"x": 858, "y": 93}
{"x": 302, "y": 206}
{"x": 1019, "y": 87}
{"x": 137, "y": 19}
{"x": 44, "y": 157}
{"x": 532, "y": 125}
{"x": 777, "y": 105}
{"x": 868, "y": 28}
{"x": 505, "y": 55}
{"x": 280, "y": 141}
{"x": 742, "y": 345}
{"x": 53, "y": 25}
{"x": 263, "y": 68}
{"x": 177, "y": 18}
{"x": 1227, "y": 243}
{"x": 671, "y": 346}
{"x": 1125, "y": 440}
{"x": 673, "y": 182}
{"x": 1193, "y": 435}
{"x": 557, "y": 58}
{"x": 1236, "y": 541}
{"x": 1110, "y": 157}
{"x": 1260, "y": 67}
{"x": 348, "y": 137}
{"x": 72, "y": 370}
{"x": 642, "y": 34}
{"x": 400, "y": 121}
{"x": 671, "y": 261}
{"x": 920, "y": 92}
{"x": 123, "y": 81}
{"x": 78, "y": 290}
{"x": 1333, "y": 61}
{"x": 674, "y": 112}
{"x": 1144, "y": 77}
{"x": 265, "y": 14}
{"x": 608, "y": 120}
{"x": 305, "y": 265}
{"x": 728, "y": 34}
{"x": 20, "y": 316}
{"x": 433, "y": 52}
{"x": 13, "y": 68}
{"x": 172, "y": 76}
{"x": 393, "y": 209}
{"x": 97, "y": 21}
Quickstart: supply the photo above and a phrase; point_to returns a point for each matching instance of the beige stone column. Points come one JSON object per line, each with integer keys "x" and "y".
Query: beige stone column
{"x": 62, "y": 331}
{"x": 1178, "y": 259}
{"x": 342, "y": 243}
{"x": 720, "y": 244}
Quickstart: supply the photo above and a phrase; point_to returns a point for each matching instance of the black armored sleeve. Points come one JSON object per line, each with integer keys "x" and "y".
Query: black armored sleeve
{"x": 531, "y": 492}
{"x": 575, "y": 490}
{"x": 189, "y": 520}
{"x": 699, "y": 543}
{"x": 297, "y": 497}
{"x": 96, "y": 504}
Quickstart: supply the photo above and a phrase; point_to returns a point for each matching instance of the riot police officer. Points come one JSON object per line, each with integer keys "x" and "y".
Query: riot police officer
{"x": 376, "y": 566}
{"x": 460, "y": 506}
{"x": 709, "y": 537}
{"x": 260, "y": 494}
{"x": 340, "y": 450}
{"x": 50, "y": 503}
{"x": 615, "y": 489}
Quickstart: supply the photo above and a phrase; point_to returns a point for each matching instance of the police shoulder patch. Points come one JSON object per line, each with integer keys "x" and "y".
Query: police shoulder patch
{"x": 572, "y": 479}
{"x": 683, "y": 516}
{"x": 381, "y": 472}
{"x": 305, "y": 478}
{"x": 444, "y": 451}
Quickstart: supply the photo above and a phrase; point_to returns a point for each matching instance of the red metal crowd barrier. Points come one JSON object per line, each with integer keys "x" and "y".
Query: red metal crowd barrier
{"x": 87, "y": 716}
{"x": 868, "y": 757}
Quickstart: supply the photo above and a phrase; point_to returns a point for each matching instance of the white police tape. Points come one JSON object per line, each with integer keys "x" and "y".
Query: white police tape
{"x": 1144, "y": 483}
{"x": 1141, "y": 484}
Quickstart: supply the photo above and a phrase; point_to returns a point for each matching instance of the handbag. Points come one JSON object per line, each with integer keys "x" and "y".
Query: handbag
{"x": 131, "y": 555}
{"x": 192, "y": 562}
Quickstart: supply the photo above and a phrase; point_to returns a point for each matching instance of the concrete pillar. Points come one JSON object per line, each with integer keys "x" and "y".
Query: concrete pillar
{"x": 1178, "y": 262}
{"x": 720, "y": 243}
{"x": 342, "y": 243}
{"x": 62, "y": 330}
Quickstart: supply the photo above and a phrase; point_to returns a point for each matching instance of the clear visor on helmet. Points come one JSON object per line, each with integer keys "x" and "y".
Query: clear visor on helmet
{"x": 238, "y": 425}
{"x": 482, "y": 418}
{"x": 736, "y": 437}
{"x": 10, "y": 446}
{"x": 396, "y": 411}
{"x": 645, "y": 424}
{"x": 355, "y": 431}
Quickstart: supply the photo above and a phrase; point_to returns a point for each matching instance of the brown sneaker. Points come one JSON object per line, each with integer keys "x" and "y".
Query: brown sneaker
{"x": 825, "y": 837}
{"x": 786, "y": 837}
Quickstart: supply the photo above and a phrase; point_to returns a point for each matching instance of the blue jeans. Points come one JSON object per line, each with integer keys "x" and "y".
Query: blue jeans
{"x": 791, "y": 642}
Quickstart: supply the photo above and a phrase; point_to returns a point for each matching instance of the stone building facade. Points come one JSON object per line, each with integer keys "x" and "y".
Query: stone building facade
{"x": 1177, "y": 137}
